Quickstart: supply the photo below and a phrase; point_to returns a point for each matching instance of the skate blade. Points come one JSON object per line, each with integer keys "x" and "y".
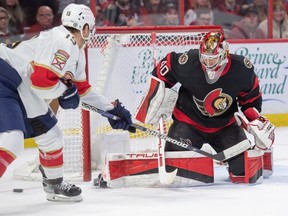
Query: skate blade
{"x": 61, "y": 198}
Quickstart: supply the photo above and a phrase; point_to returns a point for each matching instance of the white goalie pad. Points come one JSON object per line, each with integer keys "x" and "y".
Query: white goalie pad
{"x": 141, "y": 169}
{"x": 158, "y": 102}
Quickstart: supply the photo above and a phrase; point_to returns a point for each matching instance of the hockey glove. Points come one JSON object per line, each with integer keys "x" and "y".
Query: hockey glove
{"x": 70, "y": 98}
{"x": 125, "y": 120}
{"x": 261, "y": 129}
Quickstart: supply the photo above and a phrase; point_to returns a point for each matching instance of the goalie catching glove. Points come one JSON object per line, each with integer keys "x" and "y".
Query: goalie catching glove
{"x": 125, "y": 120}
{"x": 259, "y": 126}
{"x": 158, "y": 102}
{"x": 70, "y": 98}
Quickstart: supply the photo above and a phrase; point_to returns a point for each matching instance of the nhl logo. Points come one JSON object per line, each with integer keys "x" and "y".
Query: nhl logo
{"x": 183, "y": 59}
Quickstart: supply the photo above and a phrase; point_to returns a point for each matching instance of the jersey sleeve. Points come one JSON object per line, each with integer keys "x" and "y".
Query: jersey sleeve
{"x": 164, "y": 69}
{"x": 52, "y": 61}
{"x": 251, "y": 95}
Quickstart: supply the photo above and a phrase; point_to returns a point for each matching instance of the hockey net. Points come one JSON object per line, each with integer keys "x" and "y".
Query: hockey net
{"x": 120, "y": 61}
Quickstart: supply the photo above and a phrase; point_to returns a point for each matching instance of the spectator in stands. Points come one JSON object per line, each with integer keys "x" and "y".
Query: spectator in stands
{"x": 44, "y": 21}
{"x": 203, "y": 17}
{"x": 17, "y": 16}
{"x": 226, "y": 14}
{"x": 103, "y": 4}
{"x": 191, "y": 15}
{"x": 4, "y": 21}
{"x": 247, "y": 27}
{"x": 63, "y": 3}
{"x": 5, "y": 35}
{"x": 151, "y": 12}
{"x": 99, "y": 16}
{"x": 280, "y": 21}
{"x": 121, "y": 13}
{"x": 170, "y": 16}
{"x": 261, "y": 6}
{"x": 4, "y": 24}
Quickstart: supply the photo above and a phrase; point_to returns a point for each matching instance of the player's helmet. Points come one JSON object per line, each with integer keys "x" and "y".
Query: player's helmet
{"x": 76, "y": 16}
{"x": 213, "y": 54}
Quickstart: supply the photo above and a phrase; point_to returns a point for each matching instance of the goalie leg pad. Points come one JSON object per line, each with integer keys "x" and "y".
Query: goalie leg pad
{"x": 253, "y": 160}
{"x": 141, "y": 169}
{"x": 268, "y": 163}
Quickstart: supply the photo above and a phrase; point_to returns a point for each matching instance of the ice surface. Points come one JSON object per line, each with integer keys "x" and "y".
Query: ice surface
{"x": 222, "y": 198}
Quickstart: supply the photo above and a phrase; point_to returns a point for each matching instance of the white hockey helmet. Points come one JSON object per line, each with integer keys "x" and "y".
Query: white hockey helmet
{"x": 76, "y": 16}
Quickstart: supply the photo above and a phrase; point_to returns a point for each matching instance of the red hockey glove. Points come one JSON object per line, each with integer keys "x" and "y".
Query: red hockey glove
{"x": 261, "y": 128}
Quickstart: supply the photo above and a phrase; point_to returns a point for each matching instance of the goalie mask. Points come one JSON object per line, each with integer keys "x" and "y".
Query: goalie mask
{"x": 213, "y": 55}
{"x": 76, "y": 16}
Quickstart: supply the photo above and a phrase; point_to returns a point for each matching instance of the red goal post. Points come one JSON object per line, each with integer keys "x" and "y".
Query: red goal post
{"x": 119, "y": 62}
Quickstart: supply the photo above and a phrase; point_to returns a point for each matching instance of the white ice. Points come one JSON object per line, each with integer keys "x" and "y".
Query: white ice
{"x": 222, "y": 198}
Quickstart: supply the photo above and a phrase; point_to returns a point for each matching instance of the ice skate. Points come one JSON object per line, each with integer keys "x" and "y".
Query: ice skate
{"x": 60, "y": 191}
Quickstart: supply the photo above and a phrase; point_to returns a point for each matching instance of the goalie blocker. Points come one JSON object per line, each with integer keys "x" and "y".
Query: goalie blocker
{"x": 141, "y": 169}
{"x": 159, "y": 102}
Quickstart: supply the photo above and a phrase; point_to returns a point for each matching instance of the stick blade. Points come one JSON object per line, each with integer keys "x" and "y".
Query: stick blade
{"x": 167, "y": 178}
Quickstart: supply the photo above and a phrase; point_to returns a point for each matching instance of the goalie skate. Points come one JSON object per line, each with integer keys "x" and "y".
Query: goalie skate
{"x": 58, "y": 190}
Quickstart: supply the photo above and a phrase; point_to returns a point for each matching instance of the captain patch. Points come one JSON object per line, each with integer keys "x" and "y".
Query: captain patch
{"x": 247, "y": 63}
{"x": 60, "y": 59}
{"x": 183, "y": 59}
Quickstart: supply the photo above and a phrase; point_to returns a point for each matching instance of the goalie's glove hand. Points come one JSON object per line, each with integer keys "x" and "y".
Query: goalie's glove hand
{"x": 261, "y": 128}
{"x": 125, "y": 120}
{"x": 70, "y": 98}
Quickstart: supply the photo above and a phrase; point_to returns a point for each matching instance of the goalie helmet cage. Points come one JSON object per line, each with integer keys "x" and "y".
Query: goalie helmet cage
{"x": 119, "y": 63}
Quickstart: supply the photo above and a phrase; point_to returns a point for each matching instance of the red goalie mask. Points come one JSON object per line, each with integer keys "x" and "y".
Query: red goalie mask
{"x": 213, "y": 53}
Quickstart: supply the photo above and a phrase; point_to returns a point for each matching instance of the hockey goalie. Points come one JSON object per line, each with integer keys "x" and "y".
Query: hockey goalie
{"x": 218, "y": 103}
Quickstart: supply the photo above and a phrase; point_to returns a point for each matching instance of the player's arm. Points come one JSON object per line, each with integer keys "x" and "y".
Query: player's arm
{"x": 160, "y": 99}
{"x": 91, "y": 97}
{"x": 250, "y": 101}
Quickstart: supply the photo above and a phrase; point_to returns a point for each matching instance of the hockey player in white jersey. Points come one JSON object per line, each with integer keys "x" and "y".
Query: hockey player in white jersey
{"x": 34, "y": 72}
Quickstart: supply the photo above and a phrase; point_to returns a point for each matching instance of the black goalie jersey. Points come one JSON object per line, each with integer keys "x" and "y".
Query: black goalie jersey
{"x": 209, "y": 107}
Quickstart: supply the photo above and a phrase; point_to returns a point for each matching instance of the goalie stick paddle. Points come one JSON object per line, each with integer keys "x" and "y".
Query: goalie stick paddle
{"x": 164, "y": 177}
{"x": 221, "y": 156}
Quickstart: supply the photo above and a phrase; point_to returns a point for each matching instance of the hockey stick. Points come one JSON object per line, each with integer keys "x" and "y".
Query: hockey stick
{"x": 221, "y": 156}
{"x": 164, "y": 177}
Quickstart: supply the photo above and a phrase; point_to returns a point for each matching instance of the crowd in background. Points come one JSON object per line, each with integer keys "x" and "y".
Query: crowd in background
{"x": 240, "y": 19}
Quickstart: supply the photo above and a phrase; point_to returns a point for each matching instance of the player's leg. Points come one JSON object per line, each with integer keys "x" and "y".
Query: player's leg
{"x": 185, "y": 133}
{"x": 49, "y": 139}
{"x": 11, "y": 146}
{"x": 12, "y": 125}
{"x": 243, "y": 168}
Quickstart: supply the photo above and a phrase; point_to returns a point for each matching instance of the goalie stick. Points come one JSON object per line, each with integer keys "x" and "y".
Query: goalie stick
{"x": 164, "y": 177}
{"x": 221, "y": 156}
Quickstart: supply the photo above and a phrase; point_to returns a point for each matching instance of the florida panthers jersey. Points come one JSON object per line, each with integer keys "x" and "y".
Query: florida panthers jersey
{"x": 209, "y": 107}
{"x": 41, "y": 61}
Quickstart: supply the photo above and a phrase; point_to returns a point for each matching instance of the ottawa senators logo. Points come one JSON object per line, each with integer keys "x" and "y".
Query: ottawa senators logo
{"x": 214, "y": 104}
{"x": 212, "y": 43}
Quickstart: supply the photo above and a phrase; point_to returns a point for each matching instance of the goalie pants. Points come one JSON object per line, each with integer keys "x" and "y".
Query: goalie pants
{"x": 219, "y": 141}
